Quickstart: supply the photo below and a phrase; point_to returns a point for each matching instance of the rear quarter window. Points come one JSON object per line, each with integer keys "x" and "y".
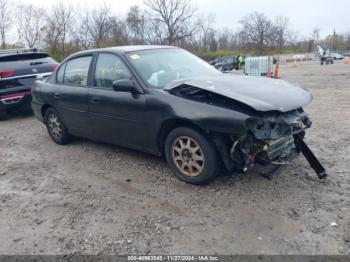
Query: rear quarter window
{"x": 76, "y": 71}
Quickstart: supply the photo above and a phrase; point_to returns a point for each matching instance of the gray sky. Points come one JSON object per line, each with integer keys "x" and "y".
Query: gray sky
{"x": 304, "y": 15}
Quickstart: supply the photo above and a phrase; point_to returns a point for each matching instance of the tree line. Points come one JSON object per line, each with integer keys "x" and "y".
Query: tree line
{"x": 64, "y": 29}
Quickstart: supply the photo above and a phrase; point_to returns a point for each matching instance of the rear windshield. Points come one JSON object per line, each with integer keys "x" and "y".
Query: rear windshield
{"x": 22, "y": 57}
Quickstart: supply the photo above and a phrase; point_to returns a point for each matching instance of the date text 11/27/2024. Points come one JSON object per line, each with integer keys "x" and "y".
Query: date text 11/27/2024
{"x": 173, "y": 258}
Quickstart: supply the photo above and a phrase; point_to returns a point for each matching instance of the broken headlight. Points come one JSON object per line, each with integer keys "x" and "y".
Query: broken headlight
{"x": 255, "y": 123}
{"x": 266, "y": 129}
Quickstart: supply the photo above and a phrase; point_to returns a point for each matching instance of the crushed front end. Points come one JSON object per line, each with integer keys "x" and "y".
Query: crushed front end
{"x": 272, "y": 141}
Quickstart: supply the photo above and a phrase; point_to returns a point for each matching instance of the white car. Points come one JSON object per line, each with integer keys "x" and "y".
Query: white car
{"x": 336, "y": 56}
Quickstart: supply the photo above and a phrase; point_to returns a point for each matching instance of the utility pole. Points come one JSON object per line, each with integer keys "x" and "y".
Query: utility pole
{"x": 333, "y": 41}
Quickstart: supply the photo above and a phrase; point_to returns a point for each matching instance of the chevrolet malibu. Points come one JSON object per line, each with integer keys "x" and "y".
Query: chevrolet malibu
{"x": 165, "y": 101}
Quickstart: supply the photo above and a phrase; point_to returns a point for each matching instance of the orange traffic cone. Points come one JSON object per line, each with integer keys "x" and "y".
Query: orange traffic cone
{"x": 268, "y": 74}
{"x": 276, "y": 69}
{"x": 346, "y": 60}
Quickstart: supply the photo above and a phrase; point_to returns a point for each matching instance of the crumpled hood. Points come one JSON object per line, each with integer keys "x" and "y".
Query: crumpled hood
{"x": 260, "y": 93}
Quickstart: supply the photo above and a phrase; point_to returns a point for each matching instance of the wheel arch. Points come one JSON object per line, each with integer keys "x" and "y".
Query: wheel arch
{"x": 220, "y": 141}
{"x": 170, "y": 124}
{"x": 44, "y": 109}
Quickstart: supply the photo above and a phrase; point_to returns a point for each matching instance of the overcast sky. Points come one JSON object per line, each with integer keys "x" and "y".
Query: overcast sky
{"x": 304, "y": 14}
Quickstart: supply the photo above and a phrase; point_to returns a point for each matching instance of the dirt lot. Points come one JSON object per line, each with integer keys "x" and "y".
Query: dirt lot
{"x": 93, "y": 198}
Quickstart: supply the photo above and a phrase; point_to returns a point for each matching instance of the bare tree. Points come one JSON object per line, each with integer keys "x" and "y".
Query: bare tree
{"x": 119, "y": 34}
{"x": 96, "y": 23}
{"x": 281, "y": 30}
{"x": 292, "y": 38}
{"x": 81, "y": 37}
{"x": 172, "y": 20}
{"x": 206, "y": 33}
{"x": 5, "y": 20}
{"x": 228, "y": 39}
{"x": 30, "y": 24}
{"x": 314, "y": 39}
{"x": 57, "y": 27}
{"x": 336, "y": 41}
{"x": 257, "y": 31}
{"x": 64, "y": 17}
{"x": 136, "y": 21}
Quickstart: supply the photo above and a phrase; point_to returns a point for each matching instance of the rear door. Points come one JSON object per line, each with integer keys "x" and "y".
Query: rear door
{"x": 71, "y": 95}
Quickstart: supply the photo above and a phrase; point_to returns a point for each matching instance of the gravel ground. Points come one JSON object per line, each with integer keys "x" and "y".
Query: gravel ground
{"x": 94, "y": 198}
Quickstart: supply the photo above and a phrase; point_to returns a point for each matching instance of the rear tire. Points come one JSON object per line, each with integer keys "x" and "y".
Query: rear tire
{"x": 191, "y": 156}
{"x": 55, "y": 127}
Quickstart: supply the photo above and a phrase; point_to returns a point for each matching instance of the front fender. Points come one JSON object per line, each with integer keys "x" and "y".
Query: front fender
{"x": 208, "y": 117}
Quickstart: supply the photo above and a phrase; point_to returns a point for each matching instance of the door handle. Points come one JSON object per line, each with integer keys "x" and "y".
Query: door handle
{"x": 58, "y": 95}
{"x": 95, "y": 100}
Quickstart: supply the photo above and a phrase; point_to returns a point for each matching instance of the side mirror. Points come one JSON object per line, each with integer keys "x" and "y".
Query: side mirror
{"x": 125, "y": 85}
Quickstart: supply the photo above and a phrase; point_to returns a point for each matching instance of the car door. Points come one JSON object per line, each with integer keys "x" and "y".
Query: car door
{"x": 117, "y": 117}
{"x": 229, "y": 63}
{"x": 71, "y": 96}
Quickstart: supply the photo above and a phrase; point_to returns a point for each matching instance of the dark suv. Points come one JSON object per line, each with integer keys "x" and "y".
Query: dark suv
{"x": 18, "y": 70}
{"x": 226, "y": 63}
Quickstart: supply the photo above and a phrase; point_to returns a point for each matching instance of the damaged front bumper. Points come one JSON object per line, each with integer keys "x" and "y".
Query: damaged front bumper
{"x": 297, "y": 146}
{"x": 272, "y": 141}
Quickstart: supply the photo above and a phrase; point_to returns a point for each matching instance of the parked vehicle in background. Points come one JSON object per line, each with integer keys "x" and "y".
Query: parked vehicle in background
{"x": 216, "y": 60}
{"x": 325, "y": 55}
{"x": 227, "y": 63}
{"x": 18, "y": 70}
{"x": 326, "y": 59}
{"x": 165, "y": 101}
{"x": 336, "y": 56}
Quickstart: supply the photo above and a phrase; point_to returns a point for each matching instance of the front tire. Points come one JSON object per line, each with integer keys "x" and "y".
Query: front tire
{"x": 191, "y": 156}
{"x": 55, "y": 127}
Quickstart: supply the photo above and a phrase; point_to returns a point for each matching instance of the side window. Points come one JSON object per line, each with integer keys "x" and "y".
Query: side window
{"x": 60, "y": 73}
{"x": 229, "y": 59}
{"x": 110, "y": 68}
{"x": 77, "y": 70}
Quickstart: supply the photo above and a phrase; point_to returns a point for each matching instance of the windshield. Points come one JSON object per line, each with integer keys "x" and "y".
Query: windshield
{"x": 161, "y": 66}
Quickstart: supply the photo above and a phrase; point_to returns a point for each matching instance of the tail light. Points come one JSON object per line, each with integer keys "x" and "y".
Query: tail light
{"x": 53, "y": 67}
{"x": 7, "y": 73}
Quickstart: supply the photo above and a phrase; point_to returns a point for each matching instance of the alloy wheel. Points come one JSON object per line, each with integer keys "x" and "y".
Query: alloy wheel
{"x": 55, "y": 126}
{"x": 188, "y": 156}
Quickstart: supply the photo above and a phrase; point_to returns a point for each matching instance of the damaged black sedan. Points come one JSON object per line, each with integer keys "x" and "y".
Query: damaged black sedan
{"x": 166, "y": 101}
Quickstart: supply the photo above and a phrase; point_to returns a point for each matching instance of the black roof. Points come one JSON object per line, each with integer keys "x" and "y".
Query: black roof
{"x": 21, "y": 54}
{"x": 19, "y": 51}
